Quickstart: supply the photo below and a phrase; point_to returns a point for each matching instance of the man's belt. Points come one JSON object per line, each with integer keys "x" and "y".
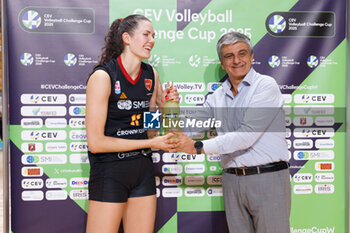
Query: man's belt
{"x": 245, "y": 171}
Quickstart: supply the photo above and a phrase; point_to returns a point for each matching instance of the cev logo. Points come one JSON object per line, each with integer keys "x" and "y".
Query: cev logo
{"x": 306, "y": 132}
{"x": 175, "y": 157}
{"x": 77, "y": 123}
{"x": 214, "y": 157}
{"x": 34, "y": 99}
{"x": 305, "y": 98}
{"x": 34, "y": 135}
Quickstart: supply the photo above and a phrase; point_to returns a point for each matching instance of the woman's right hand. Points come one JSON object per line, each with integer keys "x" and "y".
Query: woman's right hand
{"x": 162, "y": 143}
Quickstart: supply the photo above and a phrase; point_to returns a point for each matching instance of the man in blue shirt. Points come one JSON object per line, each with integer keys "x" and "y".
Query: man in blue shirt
{"x": 251, "y": 142}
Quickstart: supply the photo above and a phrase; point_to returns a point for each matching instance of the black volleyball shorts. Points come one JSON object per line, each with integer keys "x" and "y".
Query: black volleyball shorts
{"x": 118, "y": 180}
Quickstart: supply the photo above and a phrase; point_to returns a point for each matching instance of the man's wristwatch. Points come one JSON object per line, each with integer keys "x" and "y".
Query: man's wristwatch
{"x": 198, "y": 145}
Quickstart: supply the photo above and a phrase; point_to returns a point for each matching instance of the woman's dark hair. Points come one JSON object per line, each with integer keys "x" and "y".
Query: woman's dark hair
{"x": 114, "y": 45}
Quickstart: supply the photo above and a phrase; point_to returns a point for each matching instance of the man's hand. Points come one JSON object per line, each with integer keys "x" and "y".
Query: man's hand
{"x": 182, "y": 143}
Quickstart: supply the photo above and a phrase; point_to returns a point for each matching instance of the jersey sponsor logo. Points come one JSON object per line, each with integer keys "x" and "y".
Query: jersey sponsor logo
{"x": 123, "y": 96}
{"x": 128, "y": 104}
{"x": 117, "y": 88}
{"x": 124, "y": 104}
{"x": 135, "y": 120}
{"x": 148, "y": 84}
{"x": 130, "y": 132}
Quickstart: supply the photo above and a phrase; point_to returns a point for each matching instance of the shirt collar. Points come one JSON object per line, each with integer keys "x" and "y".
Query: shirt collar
{"x": 247, "y": 81}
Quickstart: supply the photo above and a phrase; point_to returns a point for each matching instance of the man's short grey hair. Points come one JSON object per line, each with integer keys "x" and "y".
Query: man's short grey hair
{"x": 232, "y": 38}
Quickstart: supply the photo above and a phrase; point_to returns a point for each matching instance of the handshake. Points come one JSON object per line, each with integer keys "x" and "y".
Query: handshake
{"x": 176, "y": 141}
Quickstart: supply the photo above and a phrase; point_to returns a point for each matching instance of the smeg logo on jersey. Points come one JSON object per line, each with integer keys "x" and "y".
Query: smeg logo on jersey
{"x": 128, "y": 104}
{"x": 124, "y": 104}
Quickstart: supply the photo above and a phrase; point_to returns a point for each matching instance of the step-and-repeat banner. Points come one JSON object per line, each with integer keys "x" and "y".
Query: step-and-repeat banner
{"x": 53, "y": 45}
